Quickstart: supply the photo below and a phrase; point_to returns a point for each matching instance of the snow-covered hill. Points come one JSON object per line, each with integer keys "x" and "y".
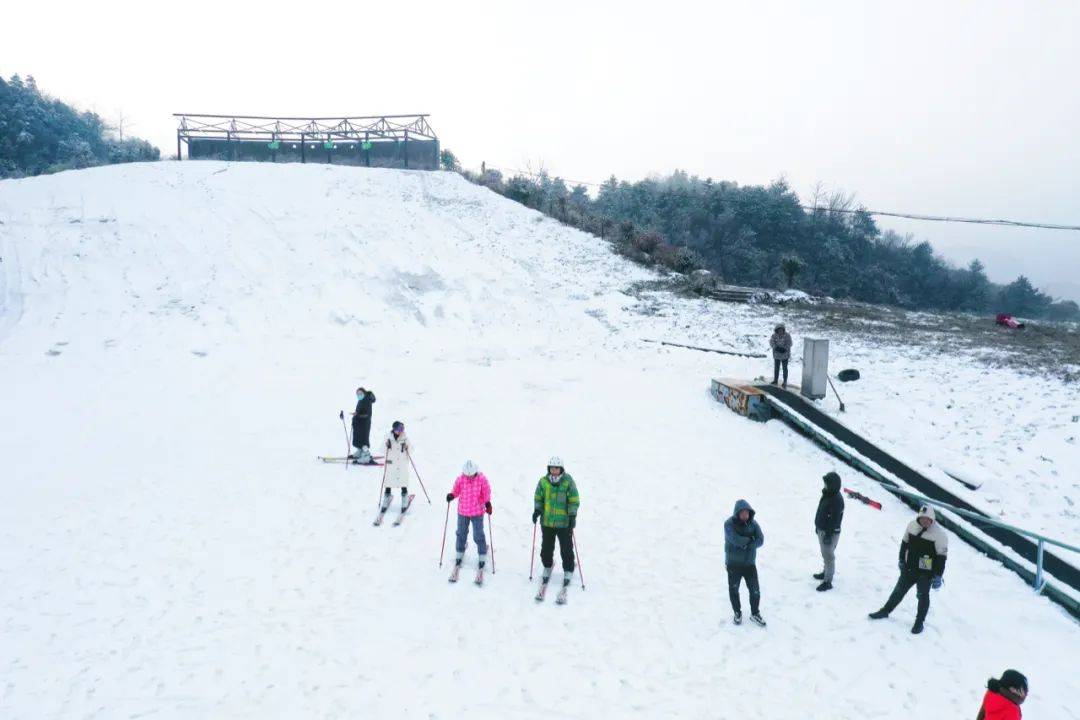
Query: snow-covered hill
{"x": 176, "y": 340}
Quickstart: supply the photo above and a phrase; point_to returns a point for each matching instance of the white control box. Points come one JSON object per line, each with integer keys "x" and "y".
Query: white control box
{"x": 815, "y": 368}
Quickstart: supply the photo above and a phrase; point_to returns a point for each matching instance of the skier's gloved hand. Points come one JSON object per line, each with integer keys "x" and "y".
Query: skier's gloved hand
{"x": 936, "y": 582}
{"x": 900, "y": 565}
{"x": 449, "y": 497}
{"x": 573, "y": 521}
{"x": 536, "y": 516}
{"x": 487, "y": 507}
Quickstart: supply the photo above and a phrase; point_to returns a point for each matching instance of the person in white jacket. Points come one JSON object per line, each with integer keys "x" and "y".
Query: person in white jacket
{"x": 398, "y": 464}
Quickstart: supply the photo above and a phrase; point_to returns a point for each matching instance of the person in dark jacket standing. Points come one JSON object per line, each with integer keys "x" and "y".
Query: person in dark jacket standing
{"x": 742, "y": 538}
{"x": 1004, "y": 697}
{"x": 827, "y": 520}
{"x": 923, "y": 551}
{"x": 780, "y": 342}
{"x": 361, "y": 426}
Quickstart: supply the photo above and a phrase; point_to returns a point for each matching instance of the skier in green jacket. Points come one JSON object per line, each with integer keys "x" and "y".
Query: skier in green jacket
{"x": 555, "y": 504}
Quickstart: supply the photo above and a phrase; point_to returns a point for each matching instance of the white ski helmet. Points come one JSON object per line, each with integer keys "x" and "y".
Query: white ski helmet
{"x": 469, "y": 468}
{"x": 556, "y": 461}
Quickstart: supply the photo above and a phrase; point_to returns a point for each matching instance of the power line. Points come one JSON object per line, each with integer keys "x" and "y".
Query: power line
{"x": 881, "y": 213}
{"x": 938, "y": 218}
{"x": 553, "y": 177}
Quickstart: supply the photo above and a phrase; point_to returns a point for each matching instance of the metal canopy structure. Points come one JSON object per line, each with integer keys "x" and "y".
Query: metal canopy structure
{"x": 356, "y": 139}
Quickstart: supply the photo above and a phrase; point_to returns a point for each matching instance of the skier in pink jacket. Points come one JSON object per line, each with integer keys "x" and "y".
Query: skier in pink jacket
{"x": 473, "y": 494}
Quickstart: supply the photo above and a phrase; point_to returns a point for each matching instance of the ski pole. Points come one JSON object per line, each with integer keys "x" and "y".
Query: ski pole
{"x": 341, "y": 414}
{"x": 445, "y": 523}
{"x": 386, "y": 461}
{"x": 573, "y": 539}
{"x": 532, "y": 559}
{"x": 418, "y": 477}
{"x": 491, "y": 543}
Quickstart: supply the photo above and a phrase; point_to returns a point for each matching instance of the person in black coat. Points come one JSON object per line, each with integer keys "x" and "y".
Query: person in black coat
{"x": 361, "y": 425}
{"x": 827, "y": 521}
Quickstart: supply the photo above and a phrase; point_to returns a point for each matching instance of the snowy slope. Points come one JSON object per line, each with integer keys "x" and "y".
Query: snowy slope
{"x": 176, "y": 341}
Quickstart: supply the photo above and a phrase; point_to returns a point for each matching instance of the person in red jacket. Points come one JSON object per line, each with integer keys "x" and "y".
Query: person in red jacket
{"x": 1004, "y": 697}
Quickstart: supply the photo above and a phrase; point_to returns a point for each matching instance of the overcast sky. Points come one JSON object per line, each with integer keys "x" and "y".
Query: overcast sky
{"x": 958, "y": 108}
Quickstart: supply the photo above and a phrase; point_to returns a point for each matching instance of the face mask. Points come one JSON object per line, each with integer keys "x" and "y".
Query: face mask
{"x": 555, "y": 479}
{"x": 359, "y": 396}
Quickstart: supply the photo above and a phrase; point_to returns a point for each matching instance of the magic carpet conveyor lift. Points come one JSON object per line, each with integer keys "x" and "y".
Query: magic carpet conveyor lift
{"x": 1008, "y": 544}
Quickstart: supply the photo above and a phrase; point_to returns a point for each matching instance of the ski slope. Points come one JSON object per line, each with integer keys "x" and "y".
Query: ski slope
{"x": 176, "y": 341}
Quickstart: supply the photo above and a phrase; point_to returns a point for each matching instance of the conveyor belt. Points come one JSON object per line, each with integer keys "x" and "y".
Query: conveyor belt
{"x": 1023, "y": 546}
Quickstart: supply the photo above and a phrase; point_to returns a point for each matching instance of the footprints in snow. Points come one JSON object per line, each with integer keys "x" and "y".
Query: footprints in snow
{"x": 108, "y": 344}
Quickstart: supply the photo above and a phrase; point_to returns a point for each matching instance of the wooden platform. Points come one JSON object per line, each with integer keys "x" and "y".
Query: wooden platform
{"x": 741, "y": 397}
{"x": 793, "y": 386}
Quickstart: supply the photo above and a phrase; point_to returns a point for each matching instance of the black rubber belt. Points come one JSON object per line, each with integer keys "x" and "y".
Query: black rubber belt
{"x": 1063, "y": 571}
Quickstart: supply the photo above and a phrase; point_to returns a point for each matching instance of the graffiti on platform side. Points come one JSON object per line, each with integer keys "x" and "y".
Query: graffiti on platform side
{"x": 735, "y": 400}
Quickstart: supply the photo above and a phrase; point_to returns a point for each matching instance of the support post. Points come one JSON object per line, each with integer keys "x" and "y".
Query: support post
{"x": 406, "y": 149}
{"x": 367, "y": 150}
{"x": 1039, "y": 567}
{"x": 178, "y": 145}
{"x": 303, "y": 149}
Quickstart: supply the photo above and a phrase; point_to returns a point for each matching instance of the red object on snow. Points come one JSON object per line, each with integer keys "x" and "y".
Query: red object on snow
{"x": 1008, "y": 321}
{"x": 859, "y": 496}
{"x": 998, "y": 707}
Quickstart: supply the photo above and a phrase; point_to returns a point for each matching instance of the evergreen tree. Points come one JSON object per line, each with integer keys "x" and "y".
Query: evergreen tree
{"x": 449, "y": 161}
{"x": 1021, "y": 298}
{"x": 791, "y": 265}
{"x": 39, "y": 134}
{"x": 760, "y": 236}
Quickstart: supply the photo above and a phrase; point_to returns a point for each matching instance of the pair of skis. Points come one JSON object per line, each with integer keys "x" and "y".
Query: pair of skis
{"x": 862, "y": 498}
{"x": 560, "y": 599}
{"x": 478, "y": 581}
{"x": 401, "y": 515}
{"x": 376, "y": 460}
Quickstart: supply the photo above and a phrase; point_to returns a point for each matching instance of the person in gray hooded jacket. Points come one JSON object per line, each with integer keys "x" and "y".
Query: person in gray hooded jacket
{"x": 742, "y": 538}
{"x": 780, "y": 342}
